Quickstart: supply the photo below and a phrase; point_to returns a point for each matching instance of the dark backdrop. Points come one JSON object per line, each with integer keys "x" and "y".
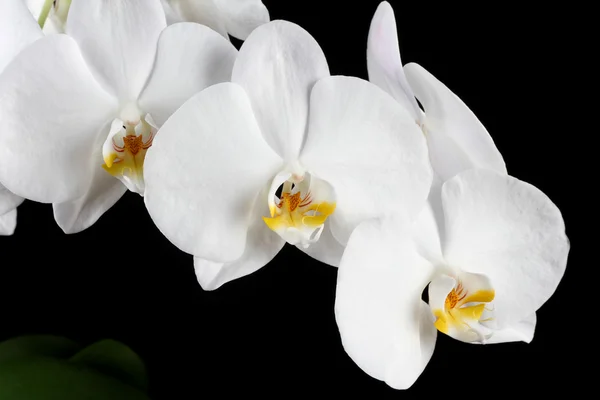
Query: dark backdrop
{"x": 274, "y": 332}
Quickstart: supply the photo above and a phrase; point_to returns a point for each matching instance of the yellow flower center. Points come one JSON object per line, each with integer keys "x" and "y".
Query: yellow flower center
{"x": 125, "y": 152}
{"x": 462, "y": 309}
{"x": 298, "y": 217}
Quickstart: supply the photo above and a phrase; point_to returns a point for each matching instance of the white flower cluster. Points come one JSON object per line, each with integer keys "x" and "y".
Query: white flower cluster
{"x": 238, "y": 152}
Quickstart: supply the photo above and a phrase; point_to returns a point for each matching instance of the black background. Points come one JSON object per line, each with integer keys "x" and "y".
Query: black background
{"x": 274, "y": 332}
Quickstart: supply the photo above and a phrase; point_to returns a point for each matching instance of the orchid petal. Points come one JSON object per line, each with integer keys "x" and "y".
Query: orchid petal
{"x": 118, "y": 40}
{"x": 369, "y": 149}
{"x": 278, "y": 65}
{"x": 190, "y": 58}
{"x": 458, "y": 141}
{"x": 171, "y": 14}
{"x": 18, "y": 29}
{"x": 262, "y": 245}
{"x": 384, "y": 325}
{"x": 205, "y": 12}
{"x": 8, "y": 201}
{"x": 203, "y": 173}
{"x": 327, "y": 249}
{"x": 384, "y": 63}
{"x": 511, "y": 232}
{"x": 53, "y": 114}
{"x": 521, "y": 331}
{"x": 428, "y": 227}
{"x": 243, "y": 16}
{"x": 8, "y": 223}
{"x": 103, "y": 191}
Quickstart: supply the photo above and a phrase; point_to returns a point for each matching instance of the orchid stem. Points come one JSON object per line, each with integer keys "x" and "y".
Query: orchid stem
{"x": 44, "y": 13}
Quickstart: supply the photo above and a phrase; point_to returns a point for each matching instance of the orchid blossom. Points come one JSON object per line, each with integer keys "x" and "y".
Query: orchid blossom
{"x": 235, "y": 17}
{"x": 456, "y": 138}
{"x": 491, "y": 249}
{"x": 283, "y": 153}
{"x": 17, "y": 31}
{"x": 89, "y": 112}
{"x": 499, "y": 256}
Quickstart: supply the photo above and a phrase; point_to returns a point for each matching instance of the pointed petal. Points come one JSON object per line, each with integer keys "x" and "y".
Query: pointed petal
{"x": 46, "y": 158}
{"x": 205, "y": 12}
{"x": 428, "y": 227}
{"x": 278, "y": 65}
{"x": 102, "y": 193}
{"x": 8, "y": 200}
{"x": 383, "y": 60}
{"x": 8, "y": 223}
{"x": 206, "y": 166}
{"x": 242, "y": 16}
{"x": 171, "y": 14}
{"x": 118, "y": 40}
{"x": 190, "y": 58}
{"x": 327, "y": 249}
{"x": 369, "y": 149}
{"x": 383, "y": 325}
{"x": 449, "y": 122}
{"x": 262, "y": 245}
{"x": 18, "y": 29}
{"x": 521, "y": 331}
{"x": 510, "y": 231}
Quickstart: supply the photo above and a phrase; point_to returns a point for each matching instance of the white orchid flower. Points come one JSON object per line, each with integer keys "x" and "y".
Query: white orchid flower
{"x": 456, "y": 138}
{"x": 499, "y": 256}
{"x": 50, "y": 14}
{"x": 17, "y": 31}
{"x": 80, "y": 110}
{"x": 491, "y": 249}
{"x": 235, "y": 17}
{"x": 339, "y": 149}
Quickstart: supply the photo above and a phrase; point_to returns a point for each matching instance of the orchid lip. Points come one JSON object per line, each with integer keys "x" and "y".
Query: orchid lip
{"x": 466, "y": 306}
{"x": 298, "y": 215}
{"x": 124, "y": 150}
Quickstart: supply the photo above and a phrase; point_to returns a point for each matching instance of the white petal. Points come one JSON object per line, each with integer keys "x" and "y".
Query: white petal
{"x": 327, "y": 249}
{"x": 383, "y": 60}
{"x": 118, "y": 40}
{"x": 459, "y": 140}
{"x": 52, "y": 114}
{"x": 8, "y": 223}
{"x": 510, "y": 231}
{"x": 205, "y": 12}
{"x": 171, "y": 13}
{"x": 438, "y": 291}
{"x": 262, "y": 245}
{"x": 102, "y": 193}
{"x": 190, "y": 58}
{"x": 34, "y": 6}
{"x": 369, "y": 149}
{"x": 242, "y": 16}
{"x": 206, "y": 166}
{"x": 8, "y": 200}
{"x": 278, "y": 65}
{"x": 521, "y": 331}
{"x": 18, "y": 29}
{"x": 428, "y": 228}
{"x": 378, "y": 305}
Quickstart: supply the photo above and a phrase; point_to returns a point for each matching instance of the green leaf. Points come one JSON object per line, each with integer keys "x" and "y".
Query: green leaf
{"x": 116, "y": 360}
{"x": 37, "y": 346}
{"x": 53, "y": 379}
